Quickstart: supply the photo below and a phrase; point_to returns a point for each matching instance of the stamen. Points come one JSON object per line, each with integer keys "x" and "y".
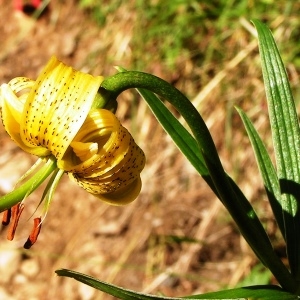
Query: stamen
{"x": 6, "y": 217}
{"x": 32, "y": 169}
{"x": 16, "y": 212}
{"x": 37, "y": 225}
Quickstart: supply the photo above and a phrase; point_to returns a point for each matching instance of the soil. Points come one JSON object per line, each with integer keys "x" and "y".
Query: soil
{"x": 176, "y": 239}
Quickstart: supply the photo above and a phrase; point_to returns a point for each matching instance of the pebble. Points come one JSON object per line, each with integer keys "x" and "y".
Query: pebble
{"x": 9, "y": 264}
{"x": 30, "y": 267}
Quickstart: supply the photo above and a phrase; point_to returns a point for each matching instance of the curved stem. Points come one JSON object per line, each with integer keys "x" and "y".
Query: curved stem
{"x": 29, "y": 186}
{"x": 228, "y": 192}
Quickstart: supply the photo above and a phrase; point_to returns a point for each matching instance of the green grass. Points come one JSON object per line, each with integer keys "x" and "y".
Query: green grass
{"x": 168, "y": 32}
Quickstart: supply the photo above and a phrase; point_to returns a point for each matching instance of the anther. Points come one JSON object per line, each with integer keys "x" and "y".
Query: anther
{"x": 6, "y": 217}
{"x": 16, "y": 212}
{"x": 34, "y": 233}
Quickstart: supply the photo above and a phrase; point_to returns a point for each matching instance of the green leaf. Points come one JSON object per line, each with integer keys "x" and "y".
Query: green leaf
{"x": 110, "y": 289}
{"x": 262, "y": 292}
{"x": 252, "y": 292}
{"x": 286, "y": 138}
{"x": 182, "y": 138}
{"x": 267, "y": 170}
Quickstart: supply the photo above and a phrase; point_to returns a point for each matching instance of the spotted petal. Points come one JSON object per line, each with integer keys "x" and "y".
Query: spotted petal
{"x": 13, "y": 96}
{"x": 113, "y": 161}
{"x": 56, "y": 107}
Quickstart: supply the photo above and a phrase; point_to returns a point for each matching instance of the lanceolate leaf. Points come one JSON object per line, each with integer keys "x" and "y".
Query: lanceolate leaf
{"x": 267, "y": 292}
{"x": 267, "y": 170}
{"x": 286, "y": 138}
{"x": 252, "y": 292}
{"x": 108, "y": 288}
{"x": 183, "y": 139}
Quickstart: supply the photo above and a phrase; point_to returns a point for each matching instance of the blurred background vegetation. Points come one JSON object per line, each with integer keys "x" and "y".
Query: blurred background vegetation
{"x": 176, "y": 239}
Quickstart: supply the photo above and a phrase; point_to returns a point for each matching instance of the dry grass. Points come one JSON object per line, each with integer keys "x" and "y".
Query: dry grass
{"x": 131, "y": 246}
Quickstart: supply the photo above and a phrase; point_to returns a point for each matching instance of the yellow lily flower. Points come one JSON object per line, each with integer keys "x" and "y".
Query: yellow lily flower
{"x": 54, "y": 117}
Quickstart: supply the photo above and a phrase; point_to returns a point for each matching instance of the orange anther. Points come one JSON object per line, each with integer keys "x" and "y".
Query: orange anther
{"x": 34, "y": 233}
{"x": 6, "y": 217}
{"x": 16, "y": 212}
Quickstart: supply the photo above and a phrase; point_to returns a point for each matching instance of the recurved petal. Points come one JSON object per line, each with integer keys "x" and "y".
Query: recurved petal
{"x": 116, "y": 196}
{"x": 13, "y": 96}
{"x": 84, "y": 151}
{"x": 114, "y": 171}
{"x": 123, "y": 195}
{"x": 102, "y": 127}
{"x": 57, "y": 106}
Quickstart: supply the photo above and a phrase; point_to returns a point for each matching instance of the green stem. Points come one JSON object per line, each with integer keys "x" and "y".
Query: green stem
{"x": 29, "y": 186}
{"x": 228, "y": 192}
